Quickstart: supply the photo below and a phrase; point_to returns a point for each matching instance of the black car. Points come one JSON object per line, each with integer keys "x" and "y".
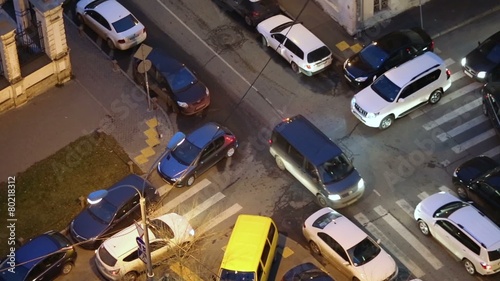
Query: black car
{"x": 483, "y": 63}
{"x": 306, "y": 272}
{"x": 190, "y": 156}
{"x": 117, "y": 210}
{"x": 479, "y": 180}
{"x": 391, "y": 50}
{"x": 173, "y": 82}
{"x": 491, "y": 104}
{"x": 253, "y": 11}
{"x": 42, "y": 258}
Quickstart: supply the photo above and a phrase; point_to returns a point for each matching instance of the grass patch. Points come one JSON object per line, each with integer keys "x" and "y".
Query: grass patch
{"x": 47, "y": 194}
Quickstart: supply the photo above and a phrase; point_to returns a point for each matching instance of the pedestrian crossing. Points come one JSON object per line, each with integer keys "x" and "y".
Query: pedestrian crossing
{"x": 458, "y": 118}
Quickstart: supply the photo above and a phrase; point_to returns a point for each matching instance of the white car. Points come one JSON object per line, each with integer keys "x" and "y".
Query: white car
{"x": 117, "y": 258}
{"x": 401, "y": 90}
{"x": 299, "y": 46}
{"x": 347, "y": 247}
{"x": 112, "y": 22}
{"x": 463, "y": 230}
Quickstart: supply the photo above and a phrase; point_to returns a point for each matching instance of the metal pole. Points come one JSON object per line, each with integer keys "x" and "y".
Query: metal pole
{"x": 150, "y": 273}
{"x": 421, "y": 17}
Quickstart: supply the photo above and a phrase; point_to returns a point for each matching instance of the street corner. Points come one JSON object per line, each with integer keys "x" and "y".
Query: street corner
{"x": 348, "y": 48}
{"x": 152, "y": 140}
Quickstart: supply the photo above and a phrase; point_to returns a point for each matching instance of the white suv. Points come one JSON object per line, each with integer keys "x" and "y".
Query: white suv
{"x": 299, "y": 46}
{"x": 401, "y": 90}
{"x": 463, "y": 230}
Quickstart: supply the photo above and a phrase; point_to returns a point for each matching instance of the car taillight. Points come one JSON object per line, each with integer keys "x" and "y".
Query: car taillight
{"x": 432, "y": 46}
{"x": 448, "y": 73}
{"x": 121, "y": 41}
{"x": 308, "y": 66}
{"x": 228, "y": 139}
{"x": 115, "y": 271}
{"x": 255, "y": 14}
{"x": 270, "y": 141}
{"x": 485, "y": 266}
{"x": 144, "y": 30}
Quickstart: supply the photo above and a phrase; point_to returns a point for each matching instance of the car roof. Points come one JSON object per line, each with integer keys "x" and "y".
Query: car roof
{"x": 410, "y": 70}
{"x": 110, "y": 9}
{"x": 204, "y": 134}
{"x": 303, "y": 38}
{"x": 308, "y": 139}
{"x": 163, "y": 62}
{"x": 37, "y": 247}
{"x": 494, "y": 89}
{"x": 121, "y": 191}
{"x": 478, "y": 226}
{"x": 397, "y": 39}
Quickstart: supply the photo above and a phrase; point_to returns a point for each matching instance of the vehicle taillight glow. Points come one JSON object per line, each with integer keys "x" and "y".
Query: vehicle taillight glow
{"x": 255, "y": 14}
{"x": 485, "y": 266}
{"x": 308, "y": 66}
{"x": 229, "y": 139}
{"x": 121, "y": 41}
{"x": 270, "y": 141}
{"x": 432, "y": 45}
{"x": 114, "y": 272}
{"x": 448, "y": 73}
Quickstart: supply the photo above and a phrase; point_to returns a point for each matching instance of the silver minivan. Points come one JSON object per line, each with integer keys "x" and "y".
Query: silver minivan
{"x": 316, "y": 161}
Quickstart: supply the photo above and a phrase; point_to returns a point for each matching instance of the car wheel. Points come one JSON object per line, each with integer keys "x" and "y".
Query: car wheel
{"x": 230, "y": 152}
{"x": 462, "y": 192}
{"x": 263, "y": 41}
{"x": 485, "y": 110}
{"x": 67, "y": 267}
{"x": 248, "y": 21}
{"x": 424, "y": 228}
{"x": 110, "y": 43}
{"x": 469, "y": 267}
{"x": 322, "y": 200}
{"x": 295, "y": 68}
{"x": 130, "y": 276}
{"x": 314, "y": 248}
{"x": 435, "y": 96}
{"x": 386, "y": 122}
{"x": 190, "y": 180}
{"x": 280, "y": 163}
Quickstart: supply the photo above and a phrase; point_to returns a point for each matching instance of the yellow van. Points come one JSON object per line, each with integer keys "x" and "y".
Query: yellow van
{"x": 250, "y": 251}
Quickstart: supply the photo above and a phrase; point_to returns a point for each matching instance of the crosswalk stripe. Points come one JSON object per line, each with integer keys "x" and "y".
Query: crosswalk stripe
{"x": 473, "y": 141}
{"x": 448, "y": 62}
{"x": 409, "y": 237}
{"x": 204, "y": 205}
{"x": 422, "y": 195}
{"x": 456, "y": 76}
{"x": 462, "y": 128}
{"x": 492, "y": 152}
{"x": 393, "y": 248}
{"x": 447, "y": 98}
{"x": 450, "y": 115}
{"x": 447, "y": 190}
{"x": 219, "y": 218}
{"x": 183, "y": 196}
{"x": 403, "y": 204}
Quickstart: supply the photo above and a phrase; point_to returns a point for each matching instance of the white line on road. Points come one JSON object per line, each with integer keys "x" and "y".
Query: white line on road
{"x": 403, "y": 204}
{"x": 492, "y": 152}
{"x": 453, "y": 114}
{"x": 448, "y": 62}
{"x": 473, "y": 141}
{"x": 422, "y": 195}
{"x": 409, "y": 237}
{"x": 393, "y": 248}
{"x": 219, "y": 218}
{"x": 462, "y": 128}
{"x": 457, "y": 75}
{"x": 447, "y": 189}
{"x": 183, "y": 196}
{"x": 204, "y": 205}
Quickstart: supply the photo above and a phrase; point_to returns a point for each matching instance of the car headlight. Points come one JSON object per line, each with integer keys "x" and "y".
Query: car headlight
{"x": 371, "y": 115}
{"x": 334, "y": 197}
{"x": 481, "y": 74}
{"x": 353, "y": 102}
{"x": 463, "y": 61}
{"x": 182, "y": 104}
{"x": 361, "y": 79}
{"x": 361, "y": 184}
{"x": 207, "y": 92}
{"x": 455, "y": 173}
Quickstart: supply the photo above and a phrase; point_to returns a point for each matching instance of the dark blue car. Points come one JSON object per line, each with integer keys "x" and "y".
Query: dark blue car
{"x": 306, "y": 272}
{"x": 117, "y": 210}
{"x": 42, "y": 258}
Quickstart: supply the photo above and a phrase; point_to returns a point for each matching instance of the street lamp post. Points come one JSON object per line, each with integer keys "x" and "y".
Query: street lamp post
{"x": 96, "y": 196}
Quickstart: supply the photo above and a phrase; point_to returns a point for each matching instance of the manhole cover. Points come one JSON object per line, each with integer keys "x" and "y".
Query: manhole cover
{"x": 226, "y": 37}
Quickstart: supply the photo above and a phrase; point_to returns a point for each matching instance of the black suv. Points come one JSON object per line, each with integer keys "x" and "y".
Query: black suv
{"x": 483, "y": 63}
{"x": 390, "y": 50}
{"x": 479, "y": 180}
{"x": 253, "y": 11}
{"x": 491, "y": 104}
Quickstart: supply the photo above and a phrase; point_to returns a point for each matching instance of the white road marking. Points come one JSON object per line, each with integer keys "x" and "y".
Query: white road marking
{"x": 409, "y": 237}
{"x": 448, "y": 62}
{"x": 403, "y": 204}
{"x": 453, "y": 114}
{"x": 393, "y": 248}
{"x": 423, "y": 195}
{"x": 462, "y": 128}
{"x": 456, "y": 76}
{"x": 219, "y": 218}
{"x": 492, "y": 152}
{"x": 204, "y": 205}
{"x": 448, "y": 190}
{"x": 192, "y": 190}
{"x": 473, "y": 141}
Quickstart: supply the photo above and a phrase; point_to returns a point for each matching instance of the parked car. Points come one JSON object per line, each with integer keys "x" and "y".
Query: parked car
{"x": 483, "y": 63}
{"x": 491, "y": 104}
{"x": 42, "y": 258}
{"x": 112, "y": 22}
{"x": 174, "y": 82}
{"x": 401, "y": 90}
{"x": 299, "y": 46}
{"x": 195, "y": 153}
{"x": 118, "y": 209}
{"x": 389, "y": 51}
{"x": 463, "y": 230}
{"x": 347, "y": 247}
{"x": 478, "y": 179}
{"x": 253, "y": 11}
{"x": 316, "y": 161}
{"x": 306, "y": 272}
{"x": 118, "y": 259}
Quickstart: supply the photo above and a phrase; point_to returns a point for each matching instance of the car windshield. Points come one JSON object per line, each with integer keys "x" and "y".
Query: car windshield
{"x": 282, "y": 26}
{"x": 373, "y": 56}
{"x": 161, "y": 229}
{"x": 385, "y": 88}
{"x": 125, "y": 23}
{"x": 335, "y": 169}
{"x": 231, "y": 275}
{"x": 103, "y": 210}
{"x": 186, "y": 152}
{"x": 447, "y": 209}
{"x": 363, "y": 252}
{"x": 326, "y": 219}
{"x": 181, "y": 79}
{"x": 318, "y": 54}
{"x": 494, "y": 53}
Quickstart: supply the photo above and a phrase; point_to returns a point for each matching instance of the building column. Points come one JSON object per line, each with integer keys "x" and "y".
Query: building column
{"x": 22, "y": 14}
{"x": 50, "y": 14}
